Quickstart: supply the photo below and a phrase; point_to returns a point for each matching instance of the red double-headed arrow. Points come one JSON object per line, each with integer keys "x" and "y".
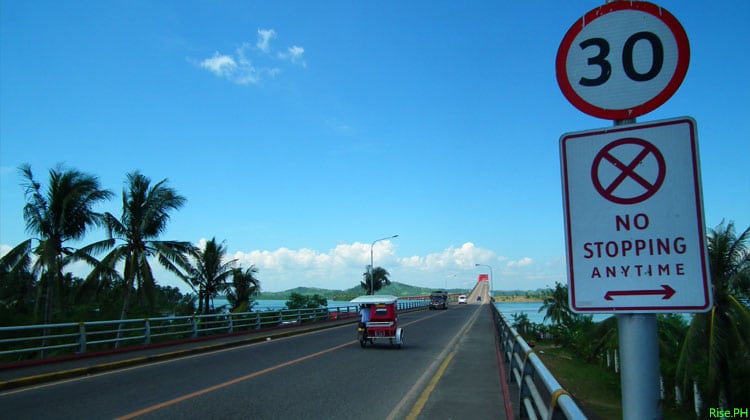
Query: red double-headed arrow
{"x": 667, "y": 291}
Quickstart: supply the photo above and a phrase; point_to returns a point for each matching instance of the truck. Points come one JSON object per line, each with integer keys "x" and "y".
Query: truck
{"x": 438, "y": 300}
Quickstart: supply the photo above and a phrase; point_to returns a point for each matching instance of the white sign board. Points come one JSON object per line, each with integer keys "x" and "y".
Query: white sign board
{"x": 622, "y": 60}
{"x": 634, "y": 219}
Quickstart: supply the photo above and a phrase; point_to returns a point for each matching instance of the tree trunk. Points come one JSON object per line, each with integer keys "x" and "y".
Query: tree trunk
{"x": 123, "y": 314}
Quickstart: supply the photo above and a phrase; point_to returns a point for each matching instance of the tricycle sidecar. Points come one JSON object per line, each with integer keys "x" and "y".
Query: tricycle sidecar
{"x": 380, "y": 316}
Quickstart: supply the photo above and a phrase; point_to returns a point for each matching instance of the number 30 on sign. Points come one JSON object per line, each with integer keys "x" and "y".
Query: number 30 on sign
{"x": 622, "y": 60}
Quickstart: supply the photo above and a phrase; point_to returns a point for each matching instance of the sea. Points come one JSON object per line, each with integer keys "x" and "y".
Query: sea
{"x": 531, "y": 309}
{"x": 275, "y": 305}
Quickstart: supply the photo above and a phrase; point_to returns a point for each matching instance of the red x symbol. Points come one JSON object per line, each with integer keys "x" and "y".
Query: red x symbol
{"x": 628, "y": 171}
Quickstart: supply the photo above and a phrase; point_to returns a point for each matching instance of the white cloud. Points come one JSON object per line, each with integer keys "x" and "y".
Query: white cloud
{"x": 294, "y": 54}
{"x": 264, "y": 38}
{"x": 342, "y": 267}
{"x": 220, "y": 65}
{"x": 523, "y": 262}
{"x": 252, "y": 63}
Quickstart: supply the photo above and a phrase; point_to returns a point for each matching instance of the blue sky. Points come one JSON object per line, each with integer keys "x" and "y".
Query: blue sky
{"x": 300, "y": 132}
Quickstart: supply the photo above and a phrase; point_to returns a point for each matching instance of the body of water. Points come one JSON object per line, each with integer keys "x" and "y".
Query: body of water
{"x": 531, "y": 309}
{"x": 275, "y": 305}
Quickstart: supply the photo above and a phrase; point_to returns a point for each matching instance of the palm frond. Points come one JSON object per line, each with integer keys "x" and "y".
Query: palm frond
{"x": 17, "y": 258}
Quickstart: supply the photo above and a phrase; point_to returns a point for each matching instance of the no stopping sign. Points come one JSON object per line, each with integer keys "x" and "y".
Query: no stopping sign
{"x": 622, "y": 60}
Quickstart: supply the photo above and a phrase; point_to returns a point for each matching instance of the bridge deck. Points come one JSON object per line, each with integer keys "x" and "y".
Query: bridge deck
{"x": 470, "y": 384}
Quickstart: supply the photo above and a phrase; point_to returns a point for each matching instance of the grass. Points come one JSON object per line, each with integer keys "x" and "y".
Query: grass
{"x": 595, "y": 387}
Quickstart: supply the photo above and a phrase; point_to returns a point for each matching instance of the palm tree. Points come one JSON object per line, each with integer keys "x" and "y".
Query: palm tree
{"x": 17, "y": 288}
{"x": 557, "y": 307}
{"x": 521, "y": 322}
{"x": 62, "y": 213}
{"x": 210, "y": 273}
{"x": 716, "y": 347}
{"x": 378, "y": 281}
{"x": 133, "y": 239}
{"x": 244, "y": 286}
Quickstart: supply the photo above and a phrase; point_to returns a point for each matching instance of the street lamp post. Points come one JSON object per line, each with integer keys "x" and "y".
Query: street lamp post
{"x": 371, "y": 246}
{"x": 490, "y": 267}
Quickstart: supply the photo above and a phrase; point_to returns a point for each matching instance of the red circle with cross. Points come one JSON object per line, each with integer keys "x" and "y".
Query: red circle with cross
{"x": 629, "y": 171}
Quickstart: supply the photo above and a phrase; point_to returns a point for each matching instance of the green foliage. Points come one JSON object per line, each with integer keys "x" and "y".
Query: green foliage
{"x": 34, "y": 284}
{"x": 556, "y": 306}
{"x": 210, "y": 273}
{"x": 134, "y": 239}
{"x": 394, "y": 288}
{"x": 299, "y": 301}
{"x": 56, "y": 216}
{"x": 521, "y": 323}
{"x": 375, "y": 279}
{"x": 716, "y": 349}
{"x": 243, "y": 288}
{"x": 671, "y": 330}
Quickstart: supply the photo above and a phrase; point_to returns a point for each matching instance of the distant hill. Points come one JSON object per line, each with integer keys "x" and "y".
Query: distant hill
{"x": 395, "y": 289}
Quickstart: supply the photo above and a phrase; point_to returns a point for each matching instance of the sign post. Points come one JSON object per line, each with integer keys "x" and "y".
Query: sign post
{"x": 627, "y": 238}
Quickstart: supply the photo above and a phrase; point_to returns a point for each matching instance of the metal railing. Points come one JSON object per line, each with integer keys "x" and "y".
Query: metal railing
{"x": 540, "y": 395}
{"x": 33, "y": 342}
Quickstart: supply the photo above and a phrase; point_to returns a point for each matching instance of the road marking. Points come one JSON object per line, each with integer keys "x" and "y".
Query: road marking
{"x": 446, "y": 354}
{"x": 232, "y": 382}
{"x": 422, "y": 400}
{"x": 216, "y": 387}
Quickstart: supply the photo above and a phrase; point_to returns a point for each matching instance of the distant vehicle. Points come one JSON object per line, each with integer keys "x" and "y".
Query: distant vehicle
{"x": 438, "y": 300}
{"x": 462, "y": 299}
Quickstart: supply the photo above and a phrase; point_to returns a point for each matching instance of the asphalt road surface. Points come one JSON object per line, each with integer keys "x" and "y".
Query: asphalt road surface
{"x": 319, "y": 375}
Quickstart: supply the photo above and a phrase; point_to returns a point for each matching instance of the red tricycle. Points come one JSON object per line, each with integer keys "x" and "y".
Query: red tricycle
{"x": 379, "y": 320}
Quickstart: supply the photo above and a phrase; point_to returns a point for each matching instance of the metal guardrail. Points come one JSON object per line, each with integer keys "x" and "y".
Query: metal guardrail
{"x": 540, "y": 395}
{"x": 32, "y": 342}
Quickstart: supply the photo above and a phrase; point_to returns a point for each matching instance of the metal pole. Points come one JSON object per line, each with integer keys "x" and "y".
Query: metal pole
{"x": 639, "y": 375}
{"x": 639, "y": 358}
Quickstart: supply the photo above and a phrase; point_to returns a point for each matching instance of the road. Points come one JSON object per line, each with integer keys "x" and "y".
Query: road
{"x": 482, "y": 291}
{"x": 323, "y": 374}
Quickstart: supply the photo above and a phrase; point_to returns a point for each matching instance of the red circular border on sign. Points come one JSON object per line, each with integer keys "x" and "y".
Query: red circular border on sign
{"x": 649, "y": 149}
{"x": 683, "y": 60}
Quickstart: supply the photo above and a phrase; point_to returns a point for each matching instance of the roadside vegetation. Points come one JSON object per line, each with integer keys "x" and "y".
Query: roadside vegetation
{"x": 711, "y": 352}
{"x": 36, "y": 284}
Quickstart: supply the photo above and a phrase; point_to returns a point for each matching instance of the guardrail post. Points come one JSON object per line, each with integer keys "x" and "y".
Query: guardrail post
{"x": 257, "y": 320}
{"x": 81, "y": 337}
{"x": 524, "y": 392}
{"x": 230, "y": 325}
{"x": 146, "y": 331}
{"x": 194, "y": 325}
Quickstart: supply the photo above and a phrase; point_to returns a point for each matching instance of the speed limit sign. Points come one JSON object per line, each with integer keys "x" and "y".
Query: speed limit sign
{"x": 622, "y": 60}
